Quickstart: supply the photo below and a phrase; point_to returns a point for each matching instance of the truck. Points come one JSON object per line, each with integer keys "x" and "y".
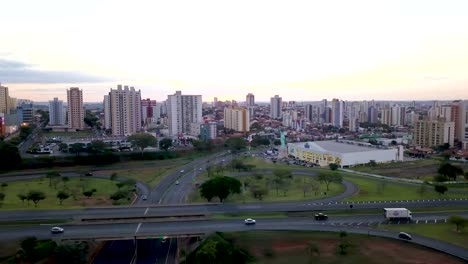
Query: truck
{"x": 397, "y": 214}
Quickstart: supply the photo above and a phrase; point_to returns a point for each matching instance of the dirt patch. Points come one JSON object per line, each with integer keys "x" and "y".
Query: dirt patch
{"x": 362, "y": 250}
{"x": 93, "y": 201}
{"x": 400, "y": 253}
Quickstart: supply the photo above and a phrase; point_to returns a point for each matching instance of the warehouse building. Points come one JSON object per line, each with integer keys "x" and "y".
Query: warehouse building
{"x": 345, "y": 153}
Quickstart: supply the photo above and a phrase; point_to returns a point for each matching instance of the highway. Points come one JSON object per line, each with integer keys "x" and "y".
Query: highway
{"x": 167, "y": 198}
{"x": 155, "y": 230}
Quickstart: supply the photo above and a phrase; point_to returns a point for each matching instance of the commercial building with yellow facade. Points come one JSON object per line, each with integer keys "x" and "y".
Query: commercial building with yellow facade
{"x": 345, "y": 153}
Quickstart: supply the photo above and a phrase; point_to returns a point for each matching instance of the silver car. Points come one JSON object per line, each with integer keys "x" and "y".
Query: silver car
{"x": 57, "y": 230}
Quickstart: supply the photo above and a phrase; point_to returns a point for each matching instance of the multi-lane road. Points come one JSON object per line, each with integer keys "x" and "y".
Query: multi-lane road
{"x": 154, "y": 230}
{"x": 167, "y": 198}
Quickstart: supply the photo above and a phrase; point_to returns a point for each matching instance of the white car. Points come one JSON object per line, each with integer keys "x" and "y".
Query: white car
{"x": 144, "y": 198}
{"x": 249, "y": 221}
{"x": 177, "y": 183}
{"x": 57, "y": 230}
{"x": 182, "y": 171}
{"x": 200, "y": 169}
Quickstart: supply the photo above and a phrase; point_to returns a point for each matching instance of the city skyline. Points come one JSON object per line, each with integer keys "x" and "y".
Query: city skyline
{"x": 390, "y": 50}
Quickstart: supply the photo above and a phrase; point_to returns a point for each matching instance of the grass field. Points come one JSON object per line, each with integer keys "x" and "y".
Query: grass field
{"x": 383, "y": 190}
{"x": 444, "y": 232}
{"x": 75, "y": 186}
{"x": 295, "y": 192}
{"x": 149, "y": 172}
{"x": 424, "y": 169}
{"x": 292, "y": 247}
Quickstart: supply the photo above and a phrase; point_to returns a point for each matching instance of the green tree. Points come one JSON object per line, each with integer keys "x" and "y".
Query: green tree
{"x": 143, "y": 140}
{"x": 28, "y": 244}
{"x": 76, "y": 253}
{"x": 235, "y": 144}
{"x": 258, "y": 192}
{"x": 281, "y": 176}
{"x": 422, "y": 189}
{"x": 91, "y": 119}
{"x": 63, "y": 147}
{"x": 62, "y": 195}
{"x": 120, "y": 185}
{"x": 65, "y": 180}
{"x": 450, "y": 171}
{"x": 35, "y": 196}
{"x": 77, "y": 148}
{"x": 2, "y": 198}
{"x": 97, "y": 147}
{"x": 329, "y": 177}
{"x": 4, "y": 185}
{"x": 119, "y": 195}
{"x": 89, "y": 193}
{"x": 165, "y": 143}
{"x": 333, "y": 166}
{"x": 220, "y": 187}
{"x": 22, "y": 197}
{"x": 52, "y": 175}
{"x": 440, "y": 178}
{"x": 114, "y": 176}
{"x": 458, "y": 221}
{"x": 9, "y": 156}
{"x": 441, "y": 189}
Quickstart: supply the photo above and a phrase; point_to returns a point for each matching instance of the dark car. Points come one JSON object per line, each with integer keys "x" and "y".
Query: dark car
{"x": 89, "y": 173}
{"x": 321, "y": 216}
{"x": 404, "y": 236}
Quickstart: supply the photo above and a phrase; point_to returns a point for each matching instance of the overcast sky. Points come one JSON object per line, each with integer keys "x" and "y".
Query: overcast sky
{"x": 301, "y": 50}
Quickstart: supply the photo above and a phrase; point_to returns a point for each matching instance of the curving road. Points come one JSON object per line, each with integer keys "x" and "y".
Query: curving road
{"x": 146, "y": 230}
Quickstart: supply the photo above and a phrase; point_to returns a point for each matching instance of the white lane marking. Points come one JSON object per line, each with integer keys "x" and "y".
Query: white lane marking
{"x": 146, "y": 211}
{"x": 168, "y": 250}
{"x": 138, "y": 228}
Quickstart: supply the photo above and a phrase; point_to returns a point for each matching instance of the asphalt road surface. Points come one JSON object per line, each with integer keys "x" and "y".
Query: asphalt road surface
{"x": 147, "y": 230}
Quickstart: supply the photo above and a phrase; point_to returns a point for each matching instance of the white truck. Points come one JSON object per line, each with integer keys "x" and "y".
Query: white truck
{"x": 397, "y": 214}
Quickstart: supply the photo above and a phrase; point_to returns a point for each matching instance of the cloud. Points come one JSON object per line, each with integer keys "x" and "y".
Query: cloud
{"x": 12, "y": 71}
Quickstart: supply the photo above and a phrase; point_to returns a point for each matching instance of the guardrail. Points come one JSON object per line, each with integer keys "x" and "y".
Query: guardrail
{"x": 142, "y": 218}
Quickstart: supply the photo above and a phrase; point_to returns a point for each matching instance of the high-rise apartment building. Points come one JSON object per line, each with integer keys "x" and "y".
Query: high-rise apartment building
{"x": 107, "y": 113}
{"x": 122, "y": 111}
{"x": 208, "y": 131}
{"x": 337, "y": 113}
{"x": 237, "y": 118}
{"x": 461, "y": 132}
{"x": 386, "y": 116}
{"x": 429, "y": 133}
{"x": 309, "y": 112}
{"x": 276, "y": 106}
{"x": 149, "y": 111}
{"x": 76, "y": 112}
{"x": 398, "y": 115}
{"x": 372, "y": 114}
{"x": 250, "y": 100}
{"x": 182, "y": 112}
{"x": 25, "y": 113}
{"x": 459, "y": 115}
{"x": 57, "y": 113}
{"x": 4, "y": 100}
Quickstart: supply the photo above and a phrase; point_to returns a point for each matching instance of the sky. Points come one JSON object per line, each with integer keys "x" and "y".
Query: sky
{"x": 300, "y": 50}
